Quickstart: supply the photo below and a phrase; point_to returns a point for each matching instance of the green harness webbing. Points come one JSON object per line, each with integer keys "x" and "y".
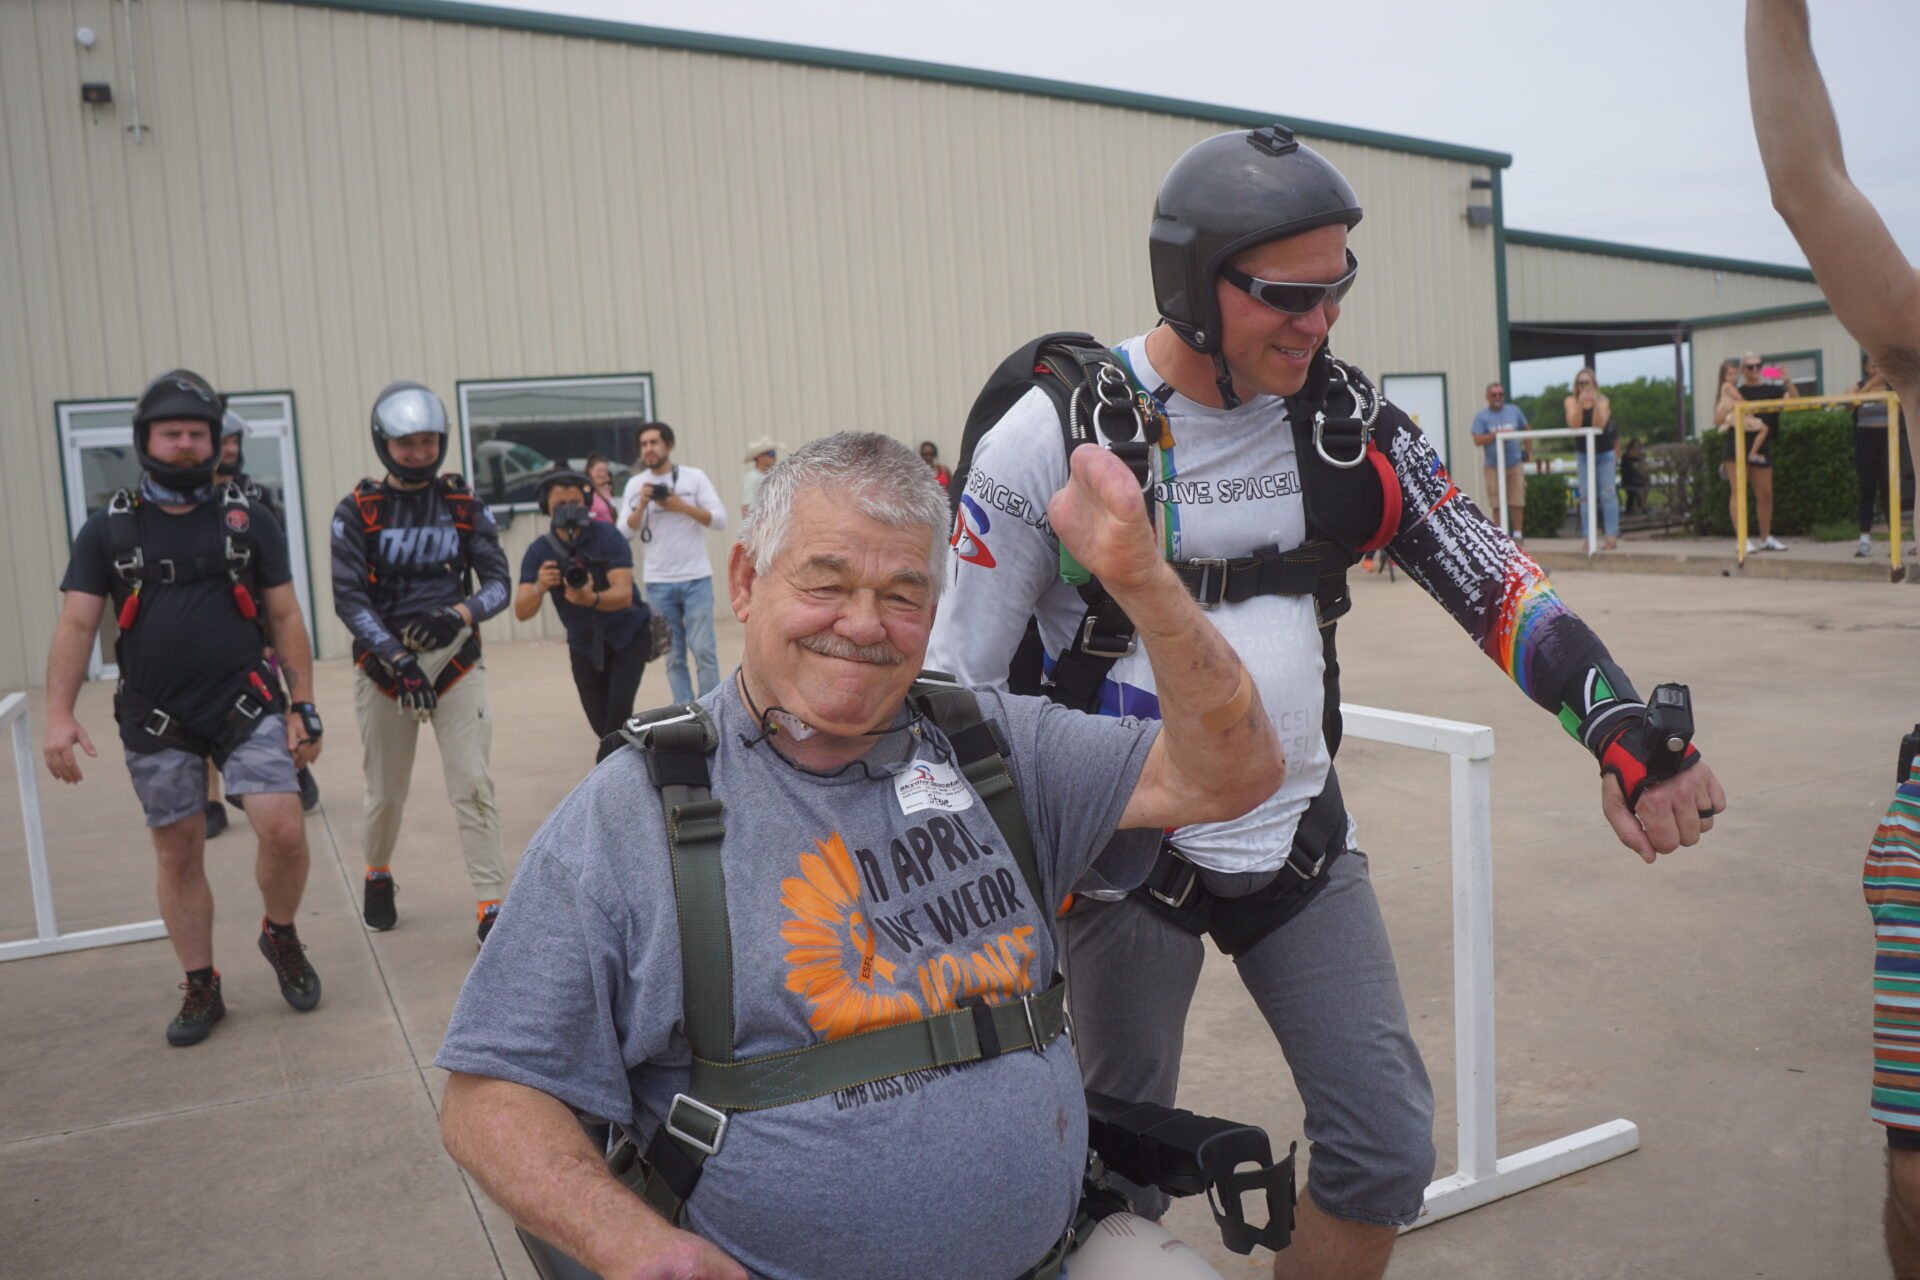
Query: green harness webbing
{"x": 676, "y": 748}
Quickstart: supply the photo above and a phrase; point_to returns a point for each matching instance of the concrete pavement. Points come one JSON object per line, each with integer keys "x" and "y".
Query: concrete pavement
{"x": 1720, "y": 1000}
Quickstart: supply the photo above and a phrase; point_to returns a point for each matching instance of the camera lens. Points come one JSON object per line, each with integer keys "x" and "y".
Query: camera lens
{"x": 576, "y": 576}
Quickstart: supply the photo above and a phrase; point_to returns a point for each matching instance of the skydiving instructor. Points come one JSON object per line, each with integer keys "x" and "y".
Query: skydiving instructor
{"x": 1250, "y": 261}
{"x": 201, "y": 586}
{"x": 407, "y": 551}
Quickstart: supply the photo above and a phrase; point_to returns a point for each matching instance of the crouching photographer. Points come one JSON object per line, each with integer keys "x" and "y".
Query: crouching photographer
{"x": 587, "y": 567}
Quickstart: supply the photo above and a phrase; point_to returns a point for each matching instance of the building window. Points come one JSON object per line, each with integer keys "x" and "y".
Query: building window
{"x": 1803, "y": 369}
{"x": 513, "y": 432}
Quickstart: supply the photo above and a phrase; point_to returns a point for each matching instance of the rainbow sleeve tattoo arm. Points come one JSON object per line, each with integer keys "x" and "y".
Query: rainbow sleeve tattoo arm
{"x": 1500, "y": 597}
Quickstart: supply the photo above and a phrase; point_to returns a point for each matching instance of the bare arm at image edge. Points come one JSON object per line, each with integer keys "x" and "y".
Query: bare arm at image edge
{"x": 1873, "y": 288}
{"x": 532, "y": 1158}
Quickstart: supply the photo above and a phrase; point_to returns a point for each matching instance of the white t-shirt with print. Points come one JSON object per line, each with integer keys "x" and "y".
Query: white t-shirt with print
{"x": 676, "y": 546}
{"x": 1229, "y": 486}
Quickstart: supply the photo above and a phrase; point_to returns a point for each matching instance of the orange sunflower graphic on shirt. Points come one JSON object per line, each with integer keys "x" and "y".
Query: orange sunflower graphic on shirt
{"x": 833, "y": 961}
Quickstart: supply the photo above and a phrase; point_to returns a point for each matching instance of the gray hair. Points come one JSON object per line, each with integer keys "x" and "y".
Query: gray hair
{"x": 876, "y": 475}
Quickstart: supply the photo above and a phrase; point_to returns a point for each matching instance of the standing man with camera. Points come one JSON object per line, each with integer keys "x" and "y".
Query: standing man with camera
{"x": 406, "y": 550}
{"x": 588, "y": 570}
{"x": 669, "y": 508}
{"x": 201, "y": 586}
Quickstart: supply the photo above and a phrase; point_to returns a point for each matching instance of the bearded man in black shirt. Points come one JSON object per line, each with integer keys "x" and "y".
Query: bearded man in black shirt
{"x": 202, "y": 586}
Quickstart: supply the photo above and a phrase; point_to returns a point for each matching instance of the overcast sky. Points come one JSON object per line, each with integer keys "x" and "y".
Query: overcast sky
{"x": 1626, "y": 120}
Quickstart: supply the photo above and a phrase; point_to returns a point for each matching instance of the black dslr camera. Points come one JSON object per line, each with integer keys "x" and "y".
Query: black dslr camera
{"x": 659, "y": 492}
{"x": 570, "y": 520}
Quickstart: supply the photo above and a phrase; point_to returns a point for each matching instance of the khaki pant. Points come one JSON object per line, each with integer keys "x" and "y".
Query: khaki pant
{"x": 463, "y": 727}
{"x": 1516, "y": 492}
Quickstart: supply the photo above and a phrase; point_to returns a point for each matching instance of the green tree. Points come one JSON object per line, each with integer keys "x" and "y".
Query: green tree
{"x": 1643, "y": 408}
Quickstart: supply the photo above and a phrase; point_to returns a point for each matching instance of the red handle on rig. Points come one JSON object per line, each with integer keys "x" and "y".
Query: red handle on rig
{"x": 244, "y": 598}
{"x": 129, "y": 610}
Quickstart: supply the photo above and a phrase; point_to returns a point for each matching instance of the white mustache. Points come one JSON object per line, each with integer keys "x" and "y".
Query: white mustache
{"x": 832, "y": 646}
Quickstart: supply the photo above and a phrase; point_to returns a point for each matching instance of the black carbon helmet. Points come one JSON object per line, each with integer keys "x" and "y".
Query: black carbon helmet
{"x": 174, "y": 395}
{"x": 405, "y": 409}
{"x": 1226, "y": 194}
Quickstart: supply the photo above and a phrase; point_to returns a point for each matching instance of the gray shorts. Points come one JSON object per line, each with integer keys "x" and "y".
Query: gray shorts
{"x": 172, "y": 784}
{"x": 1325, "y": 982}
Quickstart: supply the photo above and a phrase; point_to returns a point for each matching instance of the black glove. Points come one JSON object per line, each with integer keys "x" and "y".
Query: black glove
{"x": 1651, "y": 747}
{"x": 434, "y": 631}
{"x": 413, "y": 691}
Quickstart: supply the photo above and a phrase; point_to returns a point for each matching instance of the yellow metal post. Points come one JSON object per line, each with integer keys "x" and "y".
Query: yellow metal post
{"x": 1895, "y": 570}
{"x": 1740, "y": 487}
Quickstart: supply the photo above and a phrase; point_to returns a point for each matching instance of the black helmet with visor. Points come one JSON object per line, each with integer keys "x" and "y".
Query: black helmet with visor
{"x": 407, "y": 409}
{"x": 177, "y": 395}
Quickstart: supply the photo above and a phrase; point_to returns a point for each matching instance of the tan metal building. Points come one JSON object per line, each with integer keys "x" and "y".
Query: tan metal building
{"x": 1569, "y": 296}
{"x": 307, "y": 200}
{"x": 568, "y": 226}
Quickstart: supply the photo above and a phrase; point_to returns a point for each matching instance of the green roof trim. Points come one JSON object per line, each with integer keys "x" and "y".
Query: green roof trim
{"x": 905, "y": 68}
{"x": 1671, "y": 257}
{"x": 1787, "y": 311}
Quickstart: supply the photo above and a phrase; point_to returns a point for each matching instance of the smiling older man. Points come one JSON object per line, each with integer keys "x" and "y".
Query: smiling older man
{"x": 870, "y": 889}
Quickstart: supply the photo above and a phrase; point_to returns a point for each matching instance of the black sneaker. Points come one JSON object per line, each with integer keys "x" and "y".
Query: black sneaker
{"x": 377, "y": 901}
{"x": 198, "y": 1012}
{"x": 298, "y": 982}
{"x": 309, "y": 791}
{"x": 488, "y": 914}
{"x": 216, "y": 818}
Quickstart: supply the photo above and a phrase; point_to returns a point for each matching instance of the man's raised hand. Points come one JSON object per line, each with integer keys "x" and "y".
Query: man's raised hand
{"x": 1101, "y": 519}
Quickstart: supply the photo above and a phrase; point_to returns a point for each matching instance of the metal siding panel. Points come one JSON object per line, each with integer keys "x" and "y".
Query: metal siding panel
{"x": 1557, "y": 284}
{"x": 550, "y": 206}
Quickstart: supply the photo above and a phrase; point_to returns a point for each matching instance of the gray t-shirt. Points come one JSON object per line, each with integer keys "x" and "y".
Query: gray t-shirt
{"x": 1504, "y": 419}
{"x": 891, "y": 869}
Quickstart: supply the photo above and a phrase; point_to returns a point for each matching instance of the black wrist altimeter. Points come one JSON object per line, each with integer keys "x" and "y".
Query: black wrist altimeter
{"x": 309, "y": 719}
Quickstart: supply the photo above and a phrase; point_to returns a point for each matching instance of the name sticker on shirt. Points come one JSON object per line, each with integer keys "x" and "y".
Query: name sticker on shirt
{"x": 931, "y": 784}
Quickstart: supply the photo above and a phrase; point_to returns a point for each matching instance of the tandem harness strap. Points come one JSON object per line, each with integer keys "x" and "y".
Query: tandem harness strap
{"x": 1176, "y": 890}
{"x": 676, "y": 742}
{"x": 133, "y": 571}
{"x": 259, "y": 697}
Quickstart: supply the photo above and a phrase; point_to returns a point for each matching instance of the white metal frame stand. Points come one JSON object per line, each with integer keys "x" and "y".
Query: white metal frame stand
{"x": 13, "y": 711}
{"x": 1483, "y": 1175}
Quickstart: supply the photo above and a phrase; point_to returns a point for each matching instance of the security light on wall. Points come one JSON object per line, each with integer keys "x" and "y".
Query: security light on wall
{"x": 97, "y": 93}
{"x": 1479, "y": 215}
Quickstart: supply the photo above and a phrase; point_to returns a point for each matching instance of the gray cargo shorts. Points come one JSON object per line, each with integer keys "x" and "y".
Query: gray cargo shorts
{"x": 172, "y": 784}
{"x": 1325, "y": 982}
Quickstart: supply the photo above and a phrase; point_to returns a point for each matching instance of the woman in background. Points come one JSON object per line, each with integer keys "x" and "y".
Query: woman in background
{"x": 600, "y": 504}
{"x": 1870, "y": 452}
{"x": 1586, "y": 407}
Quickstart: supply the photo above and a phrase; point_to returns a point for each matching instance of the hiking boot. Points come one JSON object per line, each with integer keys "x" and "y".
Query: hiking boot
{"x": 298, "y": 982}
{"x": 216, "y": 818}
{"x": 376, "y": 905}
{"x": 198, "y": 1012}
{"x": 489, "y": 912}
{"x": 310, "y": 793}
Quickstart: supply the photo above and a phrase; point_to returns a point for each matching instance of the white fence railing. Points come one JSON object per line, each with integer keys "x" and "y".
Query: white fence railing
{"x": 1483, "y": 1175}
{"x": 49, "y": 939}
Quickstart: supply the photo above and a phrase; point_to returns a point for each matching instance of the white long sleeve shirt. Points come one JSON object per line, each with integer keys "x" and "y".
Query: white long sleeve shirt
{"x": 674, "y": 545}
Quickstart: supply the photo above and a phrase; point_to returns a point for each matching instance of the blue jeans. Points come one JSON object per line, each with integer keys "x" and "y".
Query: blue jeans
{"x": 688, "y": 609}
{"x": 1609, "y": 488}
